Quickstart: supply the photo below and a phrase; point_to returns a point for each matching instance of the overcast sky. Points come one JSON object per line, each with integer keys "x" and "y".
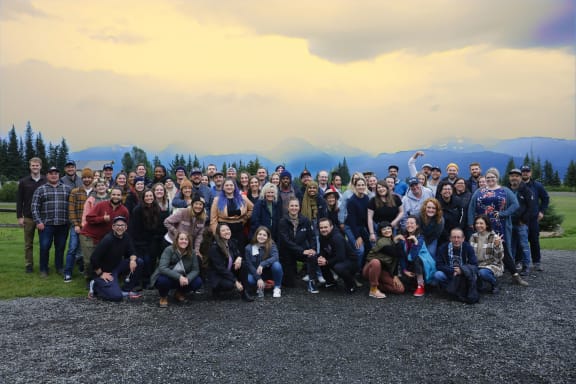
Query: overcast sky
{"x": 223, "y": 76}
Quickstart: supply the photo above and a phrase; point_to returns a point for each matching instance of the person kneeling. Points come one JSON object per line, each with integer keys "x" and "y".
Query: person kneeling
{"x": 262, "y": 260}
{"x": 457, "y": 268}
{"x": 337, "y": 255}
{"x": 112, "y": 257}
{"x": 178, "y": 269}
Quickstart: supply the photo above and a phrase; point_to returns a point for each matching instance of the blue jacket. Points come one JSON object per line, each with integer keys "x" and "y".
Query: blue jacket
{"x": 446, "y": 265}
{"x": 261, "y": 216}
{"x": 254, "y": 260}
{"x": 541, "y": 197}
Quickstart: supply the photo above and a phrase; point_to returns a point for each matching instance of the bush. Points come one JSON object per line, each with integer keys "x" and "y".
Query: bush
{"x": 552, "y": 220}
{"x": 8, "y": 192}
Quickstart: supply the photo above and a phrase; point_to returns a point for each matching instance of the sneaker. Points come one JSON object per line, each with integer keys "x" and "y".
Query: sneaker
{"x": 321, "y": 279}
{"x": 134, "y": 295}
{"x": 269, "y": 284}
{"x": 44, "y": 274}
{"x": 91, "y": 290}
{"x": 306, "y": 278}
{"x": 517, "y": 279}
{"x": 163, "y": 302}
{"x": 277, "y": 292}
{"x": 179, "y": 297}
{"x": 335, "y": 276}
{"x": 29, "y": 269}
{"x": 419, "y": 291}
{"x": 525, "y": 271}
{"x": 538, "y": 267}
{"x": 260, "y": 293}
{"x": 67, "y": 278}
{"x": 376, "y": 294}
{"x": 330, "y": 285}
{"x": 358, "y": 283}
{"x": 312, "y": 287}
{"x": 199, "y": 291}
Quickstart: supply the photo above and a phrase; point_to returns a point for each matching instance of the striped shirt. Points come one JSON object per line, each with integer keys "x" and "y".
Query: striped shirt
{"x": 50, "y": 204}
{"x": 76, "y": 203}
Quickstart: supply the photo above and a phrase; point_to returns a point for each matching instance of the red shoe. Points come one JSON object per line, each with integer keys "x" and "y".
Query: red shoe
{"x": 419, "y": 291}
{"x": 269, "y": 284}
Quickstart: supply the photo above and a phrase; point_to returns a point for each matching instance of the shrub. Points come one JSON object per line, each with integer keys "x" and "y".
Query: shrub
{"x": 552, "y": 220}
{"x": 8, "y": 192}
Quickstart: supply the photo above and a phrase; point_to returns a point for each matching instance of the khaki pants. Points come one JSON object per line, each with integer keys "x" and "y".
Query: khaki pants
{"x": 87, "y": 246}
{"x": 29, "y": 232}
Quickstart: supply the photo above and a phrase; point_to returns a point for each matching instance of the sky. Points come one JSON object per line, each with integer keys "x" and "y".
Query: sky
{"x": 216, "y": 77}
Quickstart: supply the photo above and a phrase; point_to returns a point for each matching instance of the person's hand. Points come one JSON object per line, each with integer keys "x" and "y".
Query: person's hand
{"x": 260, "y": 283}
{"x": 133, "y": 265}
{"x": 457, "y": 271}
{"x": 373, "y": 237}
{"x": 398, "y": 238}
{"x": 540, "y": 216}
{"x": 309, "y": 252}
{"x": 21, "y": 221}
{"x": 414, "y": 239}
{"x": 359, "y": 242}
{"x": 106, "y": 217}
{"x": 107, "y": 276}
{"x": 418, "y": 154}
{"x": 239, "y": 286}
{"x": 238, "y": 263}
{"x": 497, "y": 241}
{"x": 40, "y": 226}
{"x": 77, "y": 229}
{"x": 396, "y": 282}
{"x": 259, "y": 270}
{"x": 183, "y": 281}
{"x": 322, "y": 261}
{"x": 408, "y": 273}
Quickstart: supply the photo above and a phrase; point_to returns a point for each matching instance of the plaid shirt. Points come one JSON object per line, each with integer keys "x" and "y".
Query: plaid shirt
{"x": 50, "y": 204}
{"x": 76, "y": 203}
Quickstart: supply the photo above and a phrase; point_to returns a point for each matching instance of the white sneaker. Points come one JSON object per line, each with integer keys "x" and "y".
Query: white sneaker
{"x": 277, "y": 292}
{"x": 260, "y": 293}
{"x": 321, "y": 280}
{"x": 306, "y": 278}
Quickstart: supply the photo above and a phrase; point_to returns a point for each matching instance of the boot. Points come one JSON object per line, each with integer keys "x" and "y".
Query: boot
{"x": 163, "y": 302}
{"x": 247, "y": 297}
{"x": 517, "y": 279}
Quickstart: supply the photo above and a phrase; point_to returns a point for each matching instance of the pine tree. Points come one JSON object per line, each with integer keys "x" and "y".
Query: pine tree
{"x": 156, "y": 161}
{"x": 29, "y": 151}
{"x": 537, "y": 170}
{"x": 40, "y": 149}
{"x": 196, "y": 162}
{"x": 556, "y": 180}
{"x": 128, "y": 162}
{"x": 570, "y": 177}
{"x": 548, "y": 173}
{"x": 189, "y": 165}
{"x": 62, "y": 154}
{"x": 504, "y": 178}
{"x": 177, "y": 162}
{"x": 3, "y": 159}
{"x": 13, "y": 160}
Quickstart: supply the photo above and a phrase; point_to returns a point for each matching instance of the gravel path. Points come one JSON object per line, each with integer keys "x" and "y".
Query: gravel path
{"x": 522, "y": 335}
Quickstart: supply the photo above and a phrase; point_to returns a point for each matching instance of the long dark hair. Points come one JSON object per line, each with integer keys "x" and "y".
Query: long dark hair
{"x": 150, "y": 213}
{"x": 269, "y": 241}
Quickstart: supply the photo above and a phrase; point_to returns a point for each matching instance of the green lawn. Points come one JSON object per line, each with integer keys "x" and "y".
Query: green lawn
{"x": 565, "y": 203}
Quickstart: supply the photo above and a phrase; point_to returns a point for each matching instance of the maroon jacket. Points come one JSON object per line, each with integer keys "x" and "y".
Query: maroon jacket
{"x": 96, "y": 227}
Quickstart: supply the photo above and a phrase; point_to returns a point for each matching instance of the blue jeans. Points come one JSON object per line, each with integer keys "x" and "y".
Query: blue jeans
{"x": 440, "y": 279}
{"x": 110, "y": 290}
{"x": 58, "y": 235}
{"x": 432, "y": 246}
{"x": 277, "y": 274}
{"x": 165, "y": 284}
{"x": 74, "y": 252}
{"x": 520, "y": 244}
{"x": 352, "y": 240}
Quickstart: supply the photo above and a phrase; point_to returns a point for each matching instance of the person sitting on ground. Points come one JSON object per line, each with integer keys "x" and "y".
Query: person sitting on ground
{"x": 225, "y": 270}
{"x": 336, "y": 255}
{"x": 331, "y": 196}
{"x": 178, "y": 269}
{"x": 112, "y": 258}
{"x": 489, "y": 252}
{"x": 262, "y": 261}
{"x": 415, "y": 263}
{"x": 457, "y": 268}
{"x": 382, "y": 263}
{"x": 431, "y": 223}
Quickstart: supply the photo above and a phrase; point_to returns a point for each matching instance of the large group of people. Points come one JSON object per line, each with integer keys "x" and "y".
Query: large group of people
{"x": 234, "y": 232}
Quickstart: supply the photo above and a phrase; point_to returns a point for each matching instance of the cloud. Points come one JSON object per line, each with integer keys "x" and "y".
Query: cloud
{"x": 111, "y": 35}
{"x": 345, "y": 31}
{"x": 15, "y": 9}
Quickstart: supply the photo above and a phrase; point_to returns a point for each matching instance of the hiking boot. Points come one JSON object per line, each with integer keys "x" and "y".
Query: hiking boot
{"x": 495, "y": 289}
{"x": 306, "y": 278}
{"x": 67, "y": 278}
{"x": 312, "y": 287}
{"x": 538, "y": 267}
{"x": 419, "y": 292}
{"x": 163, "y": 302}
{"x": 277, "y": 292}
{"x": 179, "y": 297}
{"x": 376, "y": 294}
{"x": 246, "y": 296}
{"x": 517, "y": 279}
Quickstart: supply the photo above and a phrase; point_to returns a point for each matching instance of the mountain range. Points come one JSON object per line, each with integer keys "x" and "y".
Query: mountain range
{"x": 297, "y": 154}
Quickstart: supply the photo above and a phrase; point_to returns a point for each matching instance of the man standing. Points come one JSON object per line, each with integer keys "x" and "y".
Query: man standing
{"x": 337, "y": 255}
{"x": 70, "y": 178}
{"x": 26, "y": 187}
{"x": 114, "y": 256}
{"x": 520, "y": 220}
{"x": 434, "y": 180}
{"x": 426, "y": 168}
{"x": 285, "y": 191}
{"x": 262, "y": 175}
{"x": 76, "y": 203}
{"x": 400, "y": 187}
{"x": 475, "y": 173}
{"x": 50, "y": 213}
{"x": 108, "y": 170}
{"x": 414, "y": 199}
{"x": 98, "y": 224}
{"x": 180, "y": 173}
{"x": 541, "y": 202}
{"x": 323, "y": 182}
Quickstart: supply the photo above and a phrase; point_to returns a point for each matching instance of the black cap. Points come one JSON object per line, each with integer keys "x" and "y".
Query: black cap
{"x": 525, "y": 168}
{"x": 393, "y": 166}
{"x": 383, "y": 224}
{"x": 413, "y": 181}
{"x": 305, "y": 173}
{"x": 53, "y": 169}
{"x": 107, "y": 166}
{"x": 70, "y": 162}
{"x": 119, "y": 218}
{"x": 196, "y": 197}
{"x": 180, "y": 168}
{"x": 515, "y": 171}
{"x": 195, "y": 170}
{"x": 435, "y": 168}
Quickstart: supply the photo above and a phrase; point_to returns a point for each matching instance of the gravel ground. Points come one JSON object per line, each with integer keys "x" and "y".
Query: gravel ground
{"x": 522, "y": 335}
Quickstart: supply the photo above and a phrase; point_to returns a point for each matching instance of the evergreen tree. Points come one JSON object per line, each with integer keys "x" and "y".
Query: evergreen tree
{"x": 13, "y": 159}
{"x": 23, "y": 167}
{"x": 3, "y": 159}
{"x": 548, "y": 173}
{"x": 127, "y": 162}
{"x": 62, "y": 154}
{"x": 556, "y": 180}
{"x": 570, "y": 177}
{"x": 29, "y": 151}
{"x": 552, "y": 220}
{"x": 504, "y": 178}
{"x": 196, "y": 162}
{"x": 40, "y": 149}
{"x": 177, "y": 162}
{"x": 156, "y": 161}
{"x": 344, "y": 172}
{"x": 537, "y": 170}
{"x": 224, "y": 168}
{"x": 53, "y": 155}
{"x": 189, "y": 165}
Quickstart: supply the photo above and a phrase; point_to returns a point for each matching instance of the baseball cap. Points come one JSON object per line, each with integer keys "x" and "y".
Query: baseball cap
{"x": 119, "y": 218}
{"x": 515, "y": 171}
{"x": 426, "y": 165}
{"x": 107, "y": 166}
{"x": 525, "y": 168}
{"x": 53, "y": 169}
{"x": 195, "y": 170}
{"x": 70, "y": 162}
{"x": 413, "y": 181}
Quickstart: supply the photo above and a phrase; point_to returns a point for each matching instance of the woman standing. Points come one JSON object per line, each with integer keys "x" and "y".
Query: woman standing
{"x": 489, "y": 251}
{"x": 267, "y": 211}
{"x": 384, "y": 206}
{"x": 190, "y": 220}
{"x": 263, "y": 262}
{"x": 253, "y": 192}
{"x": 497, "y": 203}
{"x": 183, "y": 199}
{"x": 232, "y": 208}
{"x": 357, "y": 219}
{"x": 225, "y": 271}
{"x": 243, "y": 182}
{"x": 178, "y": 269}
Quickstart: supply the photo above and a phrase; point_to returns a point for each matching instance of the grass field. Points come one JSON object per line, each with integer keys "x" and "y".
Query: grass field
{"x": 15, "y": 283}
